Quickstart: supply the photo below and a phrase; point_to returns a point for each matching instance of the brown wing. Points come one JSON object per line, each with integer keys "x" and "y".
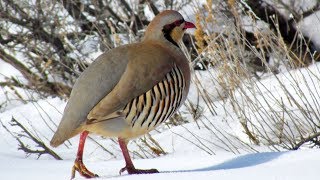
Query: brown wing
{"x": 148, "y": 64}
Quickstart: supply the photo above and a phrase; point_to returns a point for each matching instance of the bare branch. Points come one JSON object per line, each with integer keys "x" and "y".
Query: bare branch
{"x": 27, "y": 134}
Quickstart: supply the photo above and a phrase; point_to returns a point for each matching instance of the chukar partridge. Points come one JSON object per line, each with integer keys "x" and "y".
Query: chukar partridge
{"x": 129, "y": 90}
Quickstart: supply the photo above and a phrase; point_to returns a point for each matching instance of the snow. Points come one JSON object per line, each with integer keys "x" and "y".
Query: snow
{"x": 311, "y": 29}
{"x": 186, "y": 158}
{"x": 7, "y": 70}
{"x": 226, "y": 154}
{"x": 291, "y": 165}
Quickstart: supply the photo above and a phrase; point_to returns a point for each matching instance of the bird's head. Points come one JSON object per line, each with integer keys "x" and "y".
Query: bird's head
{"x": 168, "y": 25}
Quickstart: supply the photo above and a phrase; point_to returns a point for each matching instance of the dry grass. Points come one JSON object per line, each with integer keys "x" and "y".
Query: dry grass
{"x": 283, "y": 114}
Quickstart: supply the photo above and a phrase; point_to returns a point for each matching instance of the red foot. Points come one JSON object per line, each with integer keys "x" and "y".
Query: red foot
{"x": 83, "y": 171}
{"x": 133, "y": 170}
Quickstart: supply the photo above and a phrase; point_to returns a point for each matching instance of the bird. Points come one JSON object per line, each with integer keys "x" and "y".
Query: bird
{"x": 129, "y": 90}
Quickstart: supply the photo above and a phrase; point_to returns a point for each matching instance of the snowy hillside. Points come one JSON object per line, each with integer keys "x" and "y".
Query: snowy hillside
{"x": 184, "y": 161}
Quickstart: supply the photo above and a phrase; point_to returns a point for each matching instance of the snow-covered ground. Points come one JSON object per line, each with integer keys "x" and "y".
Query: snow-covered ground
{"x": 186, "y": 158}
{"x": 290, "y": 165}
{"x": 183, "y": 161}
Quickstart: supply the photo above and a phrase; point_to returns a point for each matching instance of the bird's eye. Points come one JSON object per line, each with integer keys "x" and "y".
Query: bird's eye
{"x": 178, "y": 22}
{"x": 170, "y": 26}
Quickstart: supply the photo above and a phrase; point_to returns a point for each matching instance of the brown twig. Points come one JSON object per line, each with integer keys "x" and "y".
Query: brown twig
{"x": 27, "y": 134}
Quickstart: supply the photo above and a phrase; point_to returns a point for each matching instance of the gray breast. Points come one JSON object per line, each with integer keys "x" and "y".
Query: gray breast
{"x": 158, "y": 104}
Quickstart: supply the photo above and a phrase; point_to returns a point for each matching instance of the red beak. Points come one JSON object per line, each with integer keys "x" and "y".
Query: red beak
{"x": 188, "y": 25}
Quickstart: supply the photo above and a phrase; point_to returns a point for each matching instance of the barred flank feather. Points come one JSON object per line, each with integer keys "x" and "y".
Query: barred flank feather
{"x": 158, "y": 104}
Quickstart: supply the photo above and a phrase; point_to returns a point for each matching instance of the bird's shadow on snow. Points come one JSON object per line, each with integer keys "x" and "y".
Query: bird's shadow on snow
{"x": 238, "y": 162}
{"x": 243, "y": 161}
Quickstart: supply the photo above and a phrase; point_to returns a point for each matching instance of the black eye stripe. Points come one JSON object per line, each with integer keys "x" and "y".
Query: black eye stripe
{"x": 169, "y": 27}
{"x": 178, "y": 22}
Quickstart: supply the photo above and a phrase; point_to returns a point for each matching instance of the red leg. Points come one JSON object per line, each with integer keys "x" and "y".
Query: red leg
{"x": 129, "y": 165}
{"x": 78, "y": 163}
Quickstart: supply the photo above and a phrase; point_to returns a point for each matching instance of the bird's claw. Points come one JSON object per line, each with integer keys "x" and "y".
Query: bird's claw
{"x": 83, "y": 171}
{"x": 133, "y": 170}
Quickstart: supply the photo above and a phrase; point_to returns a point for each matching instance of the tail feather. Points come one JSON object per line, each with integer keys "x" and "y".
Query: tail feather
{"x": 59, "y": 138}
{"x": 56, "y": 141}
